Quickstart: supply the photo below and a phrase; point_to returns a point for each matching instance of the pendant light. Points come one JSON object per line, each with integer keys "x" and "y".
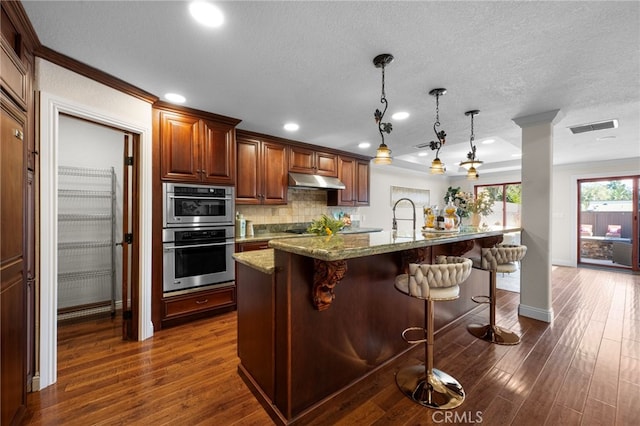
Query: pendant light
{"x": 437, "y": 166}
{"x": 471, "y": 163}
{"x": 383, "y": 153}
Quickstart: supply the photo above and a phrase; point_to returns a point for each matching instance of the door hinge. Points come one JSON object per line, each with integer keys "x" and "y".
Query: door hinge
{"x": 129, "y": 161}
{"x": 128, "y": 238}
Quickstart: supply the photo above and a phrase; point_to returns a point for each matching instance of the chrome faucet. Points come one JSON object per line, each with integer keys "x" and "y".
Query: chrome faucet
{"x": 394, "y": 226}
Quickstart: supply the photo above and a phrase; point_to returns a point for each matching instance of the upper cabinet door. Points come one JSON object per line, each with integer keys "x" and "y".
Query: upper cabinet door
{"x": 301, "y": 160}
{"x": 248, "y": 185}
{"x": 275, "y": 173}
{"x": 326, "y": 164}
{"x": 361, "y": 193}
{"x": 262, "y": 172}
{"x": 180, "y": 150}
{"x": 304, "y": 160}
{"x": 218, "y": 153}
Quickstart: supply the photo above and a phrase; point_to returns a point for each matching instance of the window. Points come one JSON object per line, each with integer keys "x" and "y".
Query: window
{"x": 507, "y": 203}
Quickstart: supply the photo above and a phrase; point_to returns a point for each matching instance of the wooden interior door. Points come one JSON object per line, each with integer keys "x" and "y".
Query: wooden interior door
{"x": 130, "y": 247}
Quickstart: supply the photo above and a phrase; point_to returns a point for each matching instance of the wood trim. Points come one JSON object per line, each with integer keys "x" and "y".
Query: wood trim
{"x": 255, "y": 135}
{"x": 93, "y": 73}
{"x": 166, "y": 106}
{"x": 15, "y": 11}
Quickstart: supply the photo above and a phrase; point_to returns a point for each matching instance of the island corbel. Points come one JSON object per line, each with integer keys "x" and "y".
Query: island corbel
{"x": 326, "y": 276}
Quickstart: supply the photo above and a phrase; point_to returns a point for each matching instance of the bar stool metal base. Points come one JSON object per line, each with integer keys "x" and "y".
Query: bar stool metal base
{"x": 494, "y": 334}
{"x": 439, "y": 390}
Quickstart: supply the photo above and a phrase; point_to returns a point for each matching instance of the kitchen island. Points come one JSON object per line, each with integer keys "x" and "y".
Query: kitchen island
{"x": 317, "y": 314}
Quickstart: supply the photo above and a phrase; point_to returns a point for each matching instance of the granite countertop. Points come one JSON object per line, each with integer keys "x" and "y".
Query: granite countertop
{"x": 347, "y": 246}
{"x": 262, "y": 260}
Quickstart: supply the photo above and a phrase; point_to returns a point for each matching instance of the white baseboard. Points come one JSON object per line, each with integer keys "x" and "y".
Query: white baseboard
{"x": 536, "y": 313}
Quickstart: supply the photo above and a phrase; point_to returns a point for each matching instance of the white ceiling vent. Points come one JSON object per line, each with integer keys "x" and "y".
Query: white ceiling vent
{"x": 590, "y": 127}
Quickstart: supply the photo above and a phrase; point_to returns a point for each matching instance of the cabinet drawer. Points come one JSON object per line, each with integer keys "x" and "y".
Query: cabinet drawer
{"x": 199, "y": 302}
{"x": 13, "y": 75}
{"x": 256, "y": 245}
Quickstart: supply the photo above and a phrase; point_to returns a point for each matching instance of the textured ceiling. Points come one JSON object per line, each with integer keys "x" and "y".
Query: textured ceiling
{"x": 311, "y": 62}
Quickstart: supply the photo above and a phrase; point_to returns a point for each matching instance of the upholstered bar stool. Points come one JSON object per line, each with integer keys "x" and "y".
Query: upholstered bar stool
{"x": 502, "y": 258}
{"x": 424, "y": 384}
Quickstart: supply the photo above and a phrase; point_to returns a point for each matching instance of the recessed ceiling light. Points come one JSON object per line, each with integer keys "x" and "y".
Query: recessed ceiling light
{"x": 488, "y": 141}
{"x": 516, "y": 155}
{"x": 603, "y": 138}
{"x": 175, "y": 98}
{"x": 364, "y": 145}
{"x": 402, "y": 115}
{"x": 291, "y": 127}
{"x": 423, "y": 154}
{"x": 206, "y": 14}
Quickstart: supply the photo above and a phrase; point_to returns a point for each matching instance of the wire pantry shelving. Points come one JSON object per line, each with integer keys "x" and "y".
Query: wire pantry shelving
{"x": 86, "y": 241}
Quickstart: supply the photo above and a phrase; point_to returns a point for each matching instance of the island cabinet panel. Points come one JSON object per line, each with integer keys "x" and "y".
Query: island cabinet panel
{"x": 305, "y": 160}
{"x": 262, "y": 169}
{"x": 319, "y": 352}
{"x": 256, "y": 331}
{"x": 196, "y": 149}
{"x": 354, "y": 173}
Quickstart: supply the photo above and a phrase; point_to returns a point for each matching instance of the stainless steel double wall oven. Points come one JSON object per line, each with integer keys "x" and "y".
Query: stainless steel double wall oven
{"x": 197, "y": 236}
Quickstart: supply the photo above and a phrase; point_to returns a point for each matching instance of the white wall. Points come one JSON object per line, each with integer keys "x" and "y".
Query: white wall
{"x": 64, "y": 92}
{"x": 379, "y": 213}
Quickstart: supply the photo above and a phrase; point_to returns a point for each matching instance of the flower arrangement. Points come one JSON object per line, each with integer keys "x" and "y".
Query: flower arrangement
{"x": 325, "y": 226}
{"x": 482, "y": 204}
{"x": 459, "y": 200}
{"x": 468, "y": 204}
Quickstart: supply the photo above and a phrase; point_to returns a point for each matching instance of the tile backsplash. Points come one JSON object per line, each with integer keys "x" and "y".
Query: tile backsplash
{"x": 303, "y": 206}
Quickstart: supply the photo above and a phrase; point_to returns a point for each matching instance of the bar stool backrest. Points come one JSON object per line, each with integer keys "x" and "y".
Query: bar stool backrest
{"x": 448, "y": 271}
{"x": 494, "y": 256}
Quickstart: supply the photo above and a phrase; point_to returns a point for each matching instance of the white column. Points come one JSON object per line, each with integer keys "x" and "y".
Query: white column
{"x": 537, "y": 177}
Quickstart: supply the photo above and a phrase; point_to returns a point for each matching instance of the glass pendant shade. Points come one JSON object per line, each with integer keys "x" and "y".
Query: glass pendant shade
{"x": 472, "y": 174}
{"x": 471, "y": 164}
{"x": 383, "y": 155}
{"x": 437, "y": 167}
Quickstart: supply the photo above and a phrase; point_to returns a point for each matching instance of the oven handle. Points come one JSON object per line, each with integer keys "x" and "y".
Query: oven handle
{"x": 198, "y": 245}
{"x": 186, "y": 197}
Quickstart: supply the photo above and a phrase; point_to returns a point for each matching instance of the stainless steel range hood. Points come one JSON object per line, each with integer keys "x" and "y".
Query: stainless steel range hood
{"x": 301, "y": 180}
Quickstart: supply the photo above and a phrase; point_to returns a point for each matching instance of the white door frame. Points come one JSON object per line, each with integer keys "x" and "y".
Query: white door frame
{"x": 50, "y": 109}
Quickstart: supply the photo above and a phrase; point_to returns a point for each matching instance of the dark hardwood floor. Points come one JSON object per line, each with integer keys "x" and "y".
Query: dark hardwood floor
{"x": 582, "y": 370}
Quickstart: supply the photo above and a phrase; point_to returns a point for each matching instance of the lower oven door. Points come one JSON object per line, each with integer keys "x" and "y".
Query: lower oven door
{"x": 194, "y": 265}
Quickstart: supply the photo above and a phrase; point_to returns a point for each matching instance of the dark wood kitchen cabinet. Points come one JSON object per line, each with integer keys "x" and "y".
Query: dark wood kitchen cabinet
{"x": 262, "y": 170}
{"x": 308, "y": 161}
{"x": 19, "y": 170}
{"x": 196, "y": 147}
{"x": 198, "y": 304}
{"x": 354, "y": 173}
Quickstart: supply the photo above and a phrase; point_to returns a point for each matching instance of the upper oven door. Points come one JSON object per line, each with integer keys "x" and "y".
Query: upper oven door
{"x": 186, "y": 205}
